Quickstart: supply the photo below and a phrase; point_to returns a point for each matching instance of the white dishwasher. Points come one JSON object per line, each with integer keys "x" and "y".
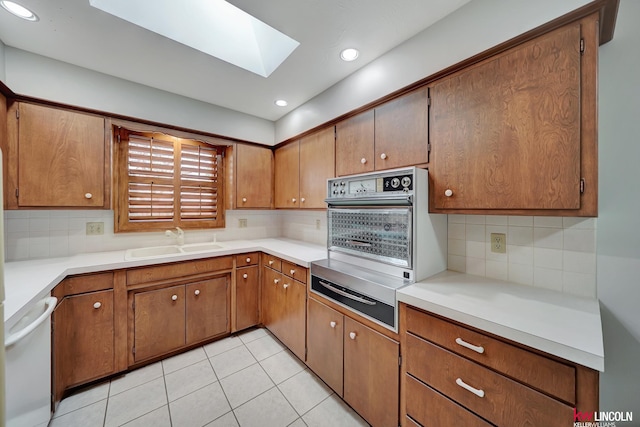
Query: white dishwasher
{"x": 28, "y": 367}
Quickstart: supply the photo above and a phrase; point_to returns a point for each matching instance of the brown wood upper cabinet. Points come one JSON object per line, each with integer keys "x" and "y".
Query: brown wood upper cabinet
{"x": 57, "y": 158}
{"x": 254, "y": 176}
{"x": 517, "y": 132}
{"x": 302, "y": 170}
{"x": 389, "y": 136}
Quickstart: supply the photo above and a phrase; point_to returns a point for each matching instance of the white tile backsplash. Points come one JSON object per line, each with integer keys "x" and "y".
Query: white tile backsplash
{"x": 548, "y": 252}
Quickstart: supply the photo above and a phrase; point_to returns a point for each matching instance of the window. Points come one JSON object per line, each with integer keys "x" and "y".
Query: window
{"x": 164, "y": 182}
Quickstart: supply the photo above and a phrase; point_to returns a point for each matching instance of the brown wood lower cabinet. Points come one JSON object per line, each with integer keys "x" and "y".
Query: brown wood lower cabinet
{"x": 83, "y": 336}
{"x": 454, "y": 375}
{"x": 247, "y": 297}
{"x": 284, "y": 309}
{"x": 360, "y": 364}
{"x": 173, "y": 317}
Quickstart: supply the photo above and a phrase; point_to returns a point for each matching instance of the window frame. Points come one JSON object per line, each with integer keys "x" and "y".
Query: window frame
{"x": 122, "y": 180}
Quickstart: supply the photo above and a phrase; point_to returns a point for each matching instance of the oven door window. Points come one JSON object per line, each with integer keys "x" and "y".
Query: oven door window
{"x": 379, "y": 234}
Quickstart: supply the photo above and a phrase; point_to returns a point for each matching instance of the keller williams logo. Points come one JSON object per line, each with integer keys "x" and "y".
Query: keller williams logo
{"x": 600, "y": 419}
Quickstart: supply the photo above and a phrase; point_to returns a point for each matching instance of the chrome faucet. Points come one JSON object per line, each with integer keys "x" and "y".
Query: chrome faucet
{"x": 179, "y": 236}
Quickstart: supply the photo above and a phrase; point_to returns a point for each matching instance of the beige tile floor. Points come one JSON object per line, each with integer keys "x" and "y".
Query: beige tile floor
{"x": 246, "y": 380}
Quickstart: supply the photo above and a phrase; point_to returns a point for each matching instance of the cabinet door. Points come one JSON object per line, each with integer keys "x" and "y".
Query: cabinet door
{"x": 292, "y": 327}
{"x": 254, "y": 175}
{"x": 371, "y": 374}
{"x": 247, "y": 294}
{"x": 159, "y": 322}
{"x": 317, "y": 164}
{"x": 401, "y": 131}
{"x": 325, "y": 344}
{"x": 207, "y": 309}
{"x": 61, "y": 158}
{"x": 355, "y": 144}
{"x": 272, "y": 300}
{"x": 506, "y": 133}
{"x": 287, "y": 176}
{"x": 83, "y": 339}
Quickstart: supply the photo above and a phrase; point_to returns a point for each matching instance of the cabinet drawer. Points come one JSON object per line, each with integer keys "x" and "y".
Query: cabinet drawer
{"x": 272, "y": 262}
{"x": 247, "y": 259}
{"x": 503, "y": 401}
{"x": 183, "y": 269}
{"x": 84, "y": 283}
{"x": 544, "y": 374}
{"x": 294, "y": 271}
{"x": 430, "y": 408}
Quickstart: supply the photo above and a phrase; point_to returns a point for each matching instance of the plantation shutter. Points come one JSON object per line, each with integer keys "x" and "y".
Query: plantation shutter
{"x": 198, "y": 182}
{"x": 167, "y": 182}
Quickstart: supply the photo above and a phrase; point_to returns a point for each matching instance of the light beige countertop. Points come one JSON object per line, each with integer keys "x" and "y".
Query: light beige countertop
{"x": 560, "y": 324}
{"x": 27, "y": 282}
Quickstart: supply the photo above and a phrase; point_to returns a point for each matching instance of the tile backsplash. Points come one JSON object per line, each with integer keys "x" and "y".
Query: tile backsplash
{"x": 557, "y": 253}
{"x": 33, "y": 234}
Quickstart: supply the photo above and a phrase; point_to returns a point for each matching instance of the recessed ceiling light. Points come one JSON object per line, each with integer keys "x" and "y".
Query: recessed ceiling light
{"x": 349, "y": 54}
{"x": 281, "y": 103}
{"x": 18, "y": 10}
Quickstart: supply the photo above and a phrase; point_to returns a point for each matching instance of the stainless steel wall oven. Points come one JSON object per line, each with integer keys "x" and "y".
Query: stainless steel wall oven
{"x": 380, "y": 238}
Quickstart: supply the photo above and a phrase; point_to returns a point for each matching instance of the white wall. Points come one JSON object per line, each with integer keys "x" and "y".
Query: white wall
{"x": 34, "y": 75}
{"x": 475, "y": 27}
{"x": 618, "y": 252}
{"x": 2, "y": 67}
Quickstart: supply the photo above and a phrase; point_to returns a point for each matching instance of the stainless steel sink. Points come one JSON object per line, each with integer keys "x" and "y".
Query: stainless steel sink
{"x": 160, "y": 251}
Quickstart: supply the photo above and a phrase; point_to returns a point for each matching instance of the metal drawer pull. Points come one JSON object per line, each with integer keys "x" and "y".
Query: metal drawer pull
{"x": 197, "y": 292}
{"x": 248, "y": 259}
{"x": 476, "y": 348}
{"x": 97, "y": 305}
{"x": 359, "y": 243}
{"x": 174, "y": 297}
{"x": 276, "y": 281}
{"x": 332, "y": 324}
{"x": 352, "y": 335}
{"x": 245, "y": 275}
{"x": 344, "y": 294}
{"x": 477, "y": 392}
{"x": 286, "y": 285}
{"x": 270, "y": 262}
{"x": 292, "y": 272}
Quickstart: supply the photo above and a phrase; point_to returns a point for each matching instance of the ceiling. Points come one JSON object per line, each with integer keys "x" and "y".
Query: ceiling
{"x": 74, "y": 32}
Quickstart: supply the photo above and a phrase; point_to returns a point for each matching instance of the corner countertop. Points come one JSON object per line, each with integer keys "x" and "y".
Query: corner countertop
{"x": 563, "y": 325}
{"x": 29, "y": 281}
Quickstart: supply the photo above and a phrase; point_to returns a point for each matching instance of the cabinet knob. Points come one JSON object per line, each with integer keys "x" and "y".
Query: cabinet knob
{"x": 244, "y": 200}
{"x": 174, "y": 297}
{"x": 276, "y": 281}
{"x": 245, "y": 275}
{"x": 196, "y": 292}
{"x": 363, "y": 160}
{"x": 352, "y": 335}
{"x": 448, "y": 192}
{"x": 302, "y": 200}
{"x": 332, "y": 324}
{"x": 88, "y": 195}
{"x": 292, "y": 271}
{"x": 383, "y": 156}
{"x": 248, "y": 259}
{"x": 293, "y": 200}
{"x": 97, "y": 305}
{"x": 270, "y": 262}
{"x": 286, "y": 285}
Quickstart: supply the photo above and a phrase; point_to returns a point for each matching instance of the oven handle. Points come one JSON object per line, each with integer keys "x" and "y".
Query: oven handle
{"x": 359, "y": 243}
{"x": 345, "y": 294}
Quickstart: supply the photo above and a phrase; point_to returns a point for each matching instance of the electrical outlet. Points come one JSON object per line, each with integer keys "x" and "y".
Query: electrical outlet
{"x": 317, "y": 224}
{"x": 242, "y": 222}
{"x": 499, "y": 243}
{"x": 95, "y": 228}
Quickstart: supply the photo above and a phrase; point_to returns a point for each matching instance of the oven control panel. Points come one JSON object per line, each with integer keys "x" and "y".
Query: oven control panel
{"x": 399, "y": 181}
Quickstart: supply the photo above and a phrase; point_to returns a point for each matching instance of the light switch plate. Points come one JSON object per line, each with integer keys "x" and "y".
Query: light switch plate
{"x": 242, "y": 223}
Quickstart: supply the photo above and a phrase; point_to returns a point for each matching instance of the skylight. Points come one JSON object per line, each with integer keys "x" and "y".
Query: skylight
{"x": 214, "y": 27}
